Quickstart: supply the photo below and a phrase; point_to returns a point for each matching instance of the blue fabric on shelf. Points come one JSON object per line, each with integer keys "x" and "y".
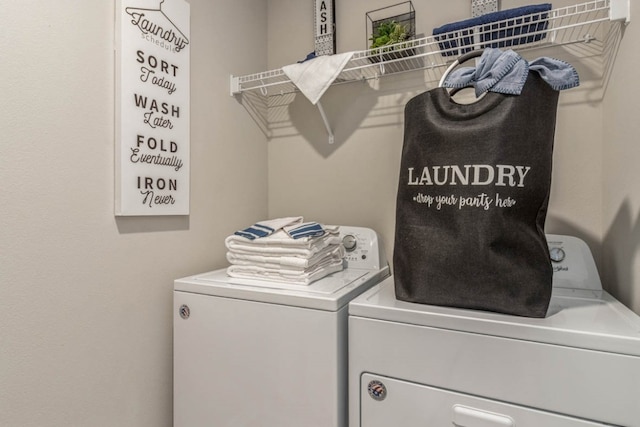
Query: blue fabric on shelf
{"x": 531, "y": 19}
{"x": 308, "y": 57}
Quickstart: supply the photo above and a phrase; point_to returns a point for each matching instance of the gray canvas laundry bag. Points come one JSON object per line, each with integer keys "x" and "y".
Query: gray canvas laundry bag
{"x": 472, "y": 201}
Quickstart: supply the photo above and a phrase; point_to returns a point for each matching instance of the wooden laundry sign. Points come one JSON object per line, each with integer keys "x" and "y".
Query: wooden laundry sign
{"x": 152, "y": 107}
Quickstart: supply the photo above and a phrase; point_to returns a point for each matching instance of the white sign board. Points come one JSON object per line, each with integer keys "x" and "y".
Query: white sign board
{"x": 152, "y": 107}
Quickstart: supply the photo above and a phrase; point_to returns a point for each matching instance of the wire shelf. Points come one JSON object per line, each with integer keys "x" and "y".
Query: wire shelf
{"x": 581, "y": 23}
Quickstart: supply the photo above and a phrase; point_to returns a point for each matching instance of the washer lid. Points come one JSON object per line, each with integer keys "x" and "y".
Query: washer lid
{"x": 330, "y": 293}
{"x": 576, "y": 318}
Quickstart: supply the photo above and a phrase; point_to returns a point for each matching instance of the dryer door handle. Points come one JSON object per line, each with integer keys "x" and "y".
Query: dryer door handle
{"x": 464, "y": 416}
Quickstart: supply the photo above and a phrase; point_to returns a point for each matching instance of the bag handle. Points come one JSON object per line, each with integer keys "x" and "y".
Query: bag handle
{"x": 460, "y": 60}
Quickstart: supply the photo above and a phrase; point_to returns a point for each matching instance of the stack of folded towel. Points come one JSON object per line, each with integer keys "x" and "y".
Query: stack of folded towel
{"x": 285, "y": 250}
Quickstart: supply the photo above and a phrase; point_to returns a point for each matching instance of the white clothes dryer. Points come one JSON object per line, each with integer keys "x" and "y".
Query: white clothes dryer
{"x": 414, "y": 365}
{"x": 251, "y": 353}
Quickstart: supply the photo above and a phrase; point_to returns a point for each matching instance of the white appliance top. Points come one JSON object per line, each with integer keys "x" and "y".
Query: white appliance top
{"x": 580, "y": 314}
{"x": 365, "y": 264}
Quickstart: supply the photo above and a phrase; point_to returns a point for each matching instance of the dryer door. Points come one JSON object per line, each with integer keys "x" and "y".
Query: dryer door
{"x": 391, "y": 402}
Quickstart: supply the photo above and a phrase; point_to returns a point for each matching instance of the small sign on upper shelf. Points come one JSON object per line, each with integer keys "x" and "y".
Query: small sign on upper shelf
{"x": 482, "y": 7}
{"x": 325, "y": 27}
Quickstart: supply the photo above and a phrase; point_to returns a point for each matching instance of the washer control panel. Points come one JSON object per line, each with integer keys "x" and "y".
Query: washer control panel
{"x": 363, "y": 248}
{"x": 572, "y": 262}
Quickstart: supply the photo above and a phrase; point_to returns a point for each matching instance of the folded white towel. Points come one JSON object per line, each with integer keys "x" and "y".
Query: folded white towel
{"x": 267, "y": 227}
{"x": 284, "y": 275}
{"x": 279, "y": 243}
{"x": 295, "y": 253}
{"x": 332, "y": 252}
{"x": 313, "y": 77}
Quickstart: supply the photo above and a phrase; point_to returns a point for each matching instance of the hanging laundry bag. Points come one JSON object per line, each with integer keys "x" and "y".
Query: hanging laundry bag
{"x": 472, "y": 201}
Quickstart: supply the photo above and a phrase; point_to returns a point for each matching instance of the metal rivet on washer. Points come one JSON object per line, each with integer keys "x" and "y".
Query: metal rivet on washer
{"x": 377, "y": 390}
{"x": 185, "y": 312}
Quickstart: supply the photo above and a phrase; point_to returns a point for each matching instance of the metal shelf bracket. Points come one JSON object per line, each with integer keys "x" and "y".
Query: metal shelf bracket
{"x": 620, "y": 10}
{"x": 326, "y": 123}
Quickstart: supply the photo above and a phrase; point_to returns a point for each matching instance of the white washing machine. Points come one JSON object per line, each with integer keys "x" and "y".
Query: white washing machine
{"x": 420, "y": 365}
{"x": 251, "y": 353}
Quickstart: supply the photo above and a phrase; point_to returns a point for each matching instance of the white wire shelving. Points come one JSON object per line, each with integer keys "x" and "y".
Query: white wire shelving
{"x": 585, "y": 23}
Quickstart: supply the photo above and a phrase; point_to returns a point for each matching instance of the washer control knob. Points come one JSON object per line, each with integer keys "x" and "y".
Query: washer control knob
{"x": 557, "y": 254}
{"x": 350, "y": 242}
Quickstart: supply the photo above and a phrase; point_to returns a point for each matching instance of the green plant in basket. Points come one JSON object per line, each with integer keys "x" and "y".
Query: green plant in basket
{"x": 389, "y": 32}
